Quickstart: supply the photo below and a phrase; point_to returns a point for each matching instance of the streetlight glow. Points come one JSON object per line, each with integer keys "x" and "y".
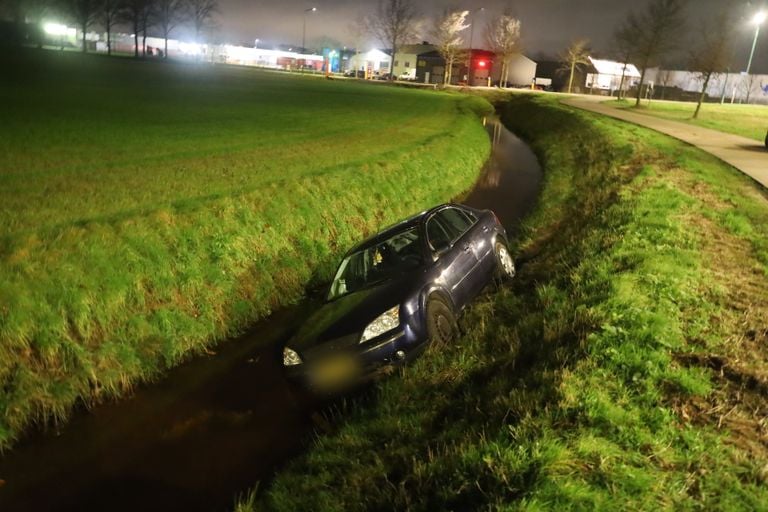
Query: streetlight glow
{"x": 304, "y": 35}
{"x": 758, "y": 20}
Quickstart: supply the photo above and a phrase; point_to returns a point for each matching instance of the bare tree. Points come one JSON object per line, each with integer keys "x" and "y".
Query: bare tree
{"x": 653, "y": 33}
{"x": 622, "y": 42}
{"x": 169, "y": 14}
{"x": 574, "y": 57}
{"x": 447, "y": 34}
{"x": 136, "y": 12}
{"x": 25, "y": 11}
{"x": 713, "y": 53}
{"x": 357, "y": 31}
{"x": 145, "y": 21}
{"x": 110, "y": 12}
{"x": 202, "y": 13}
{"x": 393, "y": 23}
{"x": 503, "y": 35}
{"x": 665, "y": 78}
{"x": 84, "y": 13}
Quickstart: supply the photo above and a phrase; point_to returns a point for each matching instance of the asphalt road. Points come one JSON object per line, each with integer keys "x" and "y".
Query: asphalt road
{"x": 746, "y": 155}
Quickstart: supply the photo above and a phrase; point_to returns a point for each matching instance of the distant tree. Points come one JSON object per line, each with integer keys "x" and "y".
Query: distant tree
{"x": 357, "y": 31}
{"x": 623, "y": 51}
{"x": 394, "y": 23}
{"x": 26, "y": 11}
{"x": 168, "y": 14}
{"x": 748, "y": 83}
{"x": 202, "y": 13}
{"x": 145, "y": 22}
{"x": 712, "y": 55}
{"x": 84, "y": 12}
{"x": 447, "y": 35}
{"x": 136, "y": 13}
{"x": 503, "y": 35}
{"x": 664, "y": 78}
{"x": 653, "y": 33}
{"x": 574, "y": 57}
{"x": 110, "y": 14}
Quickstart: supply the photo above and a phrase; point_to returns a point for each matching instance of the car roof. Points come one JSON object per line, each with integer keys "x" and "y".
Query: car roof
{"x": 400, "y": 226}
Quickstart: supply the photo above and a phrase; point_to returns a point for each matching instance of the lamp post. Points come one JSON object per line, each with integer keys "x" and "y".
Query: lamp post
{"x": 758, "y": 20}
{"x": 304, "y": 35}
{"x": 471, "y": 37}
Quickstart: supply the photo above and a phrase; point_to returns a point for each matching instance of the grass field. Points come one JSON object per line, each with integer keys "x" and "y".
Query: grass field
{"x": 625, "y": 369}
{"x": 749, "y": 121}
{"x": 148, "y": 209}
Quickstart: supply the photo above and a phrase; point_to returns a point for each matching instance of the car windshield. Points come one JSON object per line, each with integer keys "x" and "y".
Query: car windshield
{"x": 378, "y": 263}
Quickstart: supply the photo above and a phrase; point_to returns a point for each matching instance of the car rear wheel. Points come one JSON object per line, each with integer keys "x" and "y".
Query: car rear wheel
{"x": 505, "y": 265}
{"x": 441, "y": 322}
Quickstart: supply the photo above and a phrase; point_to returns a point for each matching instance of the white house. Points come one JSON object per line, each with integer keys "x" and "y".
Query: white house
{"x": 520, "y": 70}
{"x": 373, "y": 61}
{"x": 608, "y": 75}
{"x": 406, "y": 57}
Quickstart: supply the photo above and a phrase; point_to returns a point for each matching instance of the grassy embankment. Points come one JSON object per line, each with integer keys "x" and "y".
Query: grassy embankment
{"x": 148, "y": 209}
{"x": 749, "y": 121}
{"x": 625, "y": 368}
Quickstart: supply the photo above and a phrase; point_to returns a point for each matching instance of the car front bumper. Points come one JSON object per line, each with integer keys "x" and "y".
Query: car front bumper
{"x": 364, "y": 362}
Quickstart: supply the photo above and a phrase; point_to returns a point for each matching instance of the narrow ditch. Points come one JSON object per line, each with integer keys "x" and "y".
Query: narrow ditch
{"x": 212, "y": 427}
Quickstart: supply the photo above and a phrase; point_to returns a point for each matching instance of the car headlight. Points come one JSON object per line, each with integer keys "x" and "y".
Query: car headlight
{"x": 385, "y": 322}
{"x": 290, "y": 357}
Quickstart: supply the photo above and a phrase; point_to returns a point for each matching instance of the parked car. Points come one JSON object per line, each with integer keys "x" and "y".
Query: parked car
{"x": 397, "y": 291}
{"x": 355, "y": 73}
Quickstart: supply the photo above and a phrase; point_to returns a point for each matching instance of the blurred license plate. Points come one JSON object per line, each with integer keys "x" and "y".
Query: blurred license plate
{"x": 337, "y": 369}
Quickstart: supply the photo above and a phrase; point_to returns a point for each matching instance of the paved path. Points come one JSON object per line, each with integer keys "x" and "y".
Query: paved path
{"x": 746, "y": 155}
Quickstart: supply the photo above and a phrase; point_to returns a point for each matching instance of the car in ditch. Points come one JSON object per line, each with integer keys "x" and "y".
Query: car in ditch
{"x": 395, "y": 293}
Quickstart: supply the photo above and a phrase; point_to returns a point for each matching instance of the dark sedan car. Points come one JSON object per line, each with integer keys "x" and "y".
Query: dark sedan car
{"x": 396, "y": 291}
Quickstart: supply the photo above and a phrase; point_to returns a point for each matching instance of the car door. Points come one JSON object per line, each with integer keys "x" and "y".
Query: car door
{"x": 474, "y": 238}
{"x": 482, "y": 244}
{"x": 446, "y": 232}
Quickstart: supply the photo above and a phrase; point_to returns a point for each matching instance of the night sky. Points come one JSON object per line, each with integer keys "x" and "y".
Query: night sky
{"x": 547, "y": 25}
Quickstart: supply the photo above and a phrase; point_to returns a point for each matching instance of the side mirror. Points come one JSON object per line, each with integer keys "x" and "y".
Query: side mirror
{"x": 316, "y": 291}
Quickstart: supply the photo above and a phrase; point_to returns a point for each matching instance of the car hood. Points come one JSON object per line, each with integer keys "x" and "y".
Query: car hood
{"x": 345, "y": 318}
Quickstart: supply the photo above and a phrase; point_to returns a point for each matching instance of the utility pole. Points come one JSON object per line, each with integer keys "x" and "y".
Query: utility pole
{"x": 304, "y": 36}
{"x": 758, "y": 20}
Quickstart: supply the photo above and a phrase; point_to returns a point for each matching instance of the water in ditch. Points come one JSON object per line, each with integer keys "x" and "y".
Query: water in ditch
{"x": 215, "y": 426}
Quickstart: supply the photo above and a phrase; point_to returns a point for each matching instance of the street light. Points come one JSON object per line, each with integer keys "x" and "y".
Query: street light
{"x": 471, "y": 37}
{"x": 304, "y": 35}
{"x": 758, "y": 20}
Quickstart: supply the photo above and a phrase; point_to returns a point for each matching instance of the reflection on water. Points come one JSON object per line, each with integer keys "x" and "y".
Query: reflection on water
{"x": 511, "y": 178}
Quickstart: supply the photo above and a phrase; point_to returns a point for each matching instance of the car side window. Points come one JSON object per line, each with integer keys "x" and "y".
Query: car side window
{"x": 455, "y": 222}
{"x": 471, "y": 216}
{"x": 439, "y": 238}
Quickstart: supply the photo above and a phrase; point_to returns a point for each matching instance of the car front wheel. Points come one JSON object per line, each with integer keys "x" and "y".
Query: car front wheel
{"x": 504, "y": 263}
{"x": 441, "y": 322}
